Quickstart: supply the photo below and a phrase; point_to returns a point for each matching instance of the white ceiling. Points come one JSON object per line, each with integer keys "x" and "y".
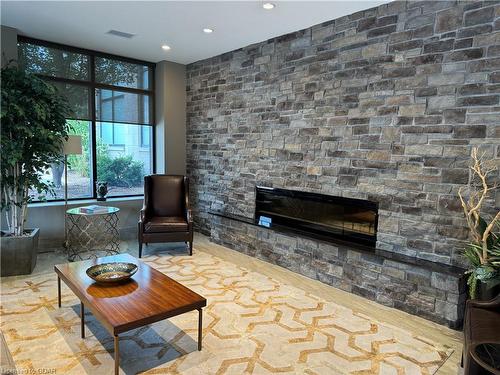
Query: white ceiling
{"x": 177, "y": 23}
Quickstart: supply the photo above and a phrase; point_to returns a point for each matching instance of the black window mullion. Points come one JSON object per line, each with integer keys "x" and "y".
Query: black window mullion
{"x": 103, "y": 86}
{"x": 152, "y": 112}
{"x": 113, "y": 98}
{"x": 94, "y": 126}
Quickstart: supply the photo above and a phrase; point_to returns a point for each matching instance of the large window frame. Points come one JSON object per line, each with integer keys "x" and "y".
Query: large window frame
{"x": 92, "y": 86}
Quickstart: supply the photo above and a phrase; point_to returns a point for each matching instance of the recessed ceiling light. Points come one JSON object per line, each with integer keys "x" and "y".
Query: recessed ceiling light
{"x": 207, "y": 30}
{"x": 268, "y": 6}
{"x": 165, "y": 47}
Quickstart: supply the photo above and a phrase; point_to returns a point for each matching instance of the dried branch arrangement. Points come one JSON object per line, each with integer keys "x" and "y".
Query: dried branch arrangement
{"x": 483, "y": 252}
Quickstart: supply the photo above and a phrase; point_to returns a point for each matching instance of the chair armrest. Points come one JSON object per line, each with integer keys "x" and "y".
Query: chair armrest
{"x": 145, "y": 203}
{"x": 142, "y": 215}
{"x": 188, "y": 212}
{"x": 488, "y": 305}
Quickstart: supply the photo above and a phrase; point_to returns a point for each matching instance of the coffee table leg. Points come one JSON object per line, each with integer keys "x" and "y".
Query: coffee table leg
{"x": 82, "y": 318}
{"x": 59, "y": 291}
{"x": 117, "y": 355}
{"x": 200, "y": 329}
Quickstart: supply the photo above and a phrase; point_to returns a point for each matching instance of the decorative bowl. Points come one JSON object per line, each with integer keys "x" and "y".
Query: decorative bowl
{"x": 111, "y": 272}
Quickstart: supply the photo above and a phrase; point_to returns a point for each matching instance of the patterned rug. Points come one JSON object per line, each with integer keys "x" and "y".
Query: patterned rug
{"x": 253, "y": 324}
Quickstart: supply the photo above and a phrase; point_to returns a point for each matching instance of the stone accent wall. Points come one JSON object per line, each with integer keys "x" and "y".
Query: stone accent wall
{"x": 384, "y": 105}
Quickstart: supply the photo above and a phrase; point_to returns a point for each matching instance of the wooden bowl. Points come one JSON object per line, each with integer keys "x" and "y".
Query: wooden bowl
{"x": 108, "y": 273}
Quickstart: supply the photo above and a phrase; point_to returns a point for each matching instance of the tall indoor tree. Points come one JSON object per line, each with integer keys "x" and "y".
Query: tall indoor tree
{"x": 33, "y": 118}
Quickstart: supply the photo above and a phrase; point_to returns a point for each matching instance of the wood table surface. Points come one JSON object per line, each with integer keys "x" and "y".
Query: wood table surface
{"x": 149, "y": 297}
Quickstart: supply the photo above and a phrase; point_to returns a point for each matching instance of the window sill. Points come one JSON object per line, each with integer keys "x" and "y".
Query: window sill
{"x": 85, "y": 201}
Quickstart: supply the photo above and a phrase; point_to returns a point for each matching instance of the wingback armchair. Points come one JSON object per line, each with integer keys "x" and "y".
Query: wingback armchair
{"x": 165, "y": 215}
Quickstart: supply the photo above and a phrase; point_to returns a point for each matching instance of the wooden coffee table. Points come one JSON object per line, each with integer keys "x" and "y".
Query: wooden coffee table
{"x": 149, "y": 297}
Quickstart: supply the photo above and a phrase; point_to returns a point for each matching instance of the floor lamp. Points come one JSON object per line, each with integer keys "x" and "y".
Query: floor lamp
{"x": 71, "y": 146}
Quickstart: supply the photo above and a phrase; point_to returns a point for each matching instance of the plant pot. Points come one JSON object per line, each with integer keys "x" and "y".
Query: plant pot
{"x": 483, "y": 293}
{"x": 19, "y": 253}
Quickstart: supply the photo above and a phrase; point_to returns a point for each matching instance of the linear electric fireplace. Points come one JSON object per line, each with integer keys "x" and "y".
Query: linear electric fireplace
{"x": 319, "y": 215}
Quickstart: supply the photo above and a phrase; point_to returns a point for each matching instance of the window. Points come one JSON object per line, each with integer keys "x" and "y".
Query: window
{"x": 78, "y": 99}
{"x": 79, "y": 169}
{"x": 119, "y": 73}
{"x": 54, "y": 62}
{"x": 112, "y": 134}
{"x": 145, "y": 136}
{"x": 118, "y": 106}
{"x": 111, "y": 99}
{"x": 123, "y": 167}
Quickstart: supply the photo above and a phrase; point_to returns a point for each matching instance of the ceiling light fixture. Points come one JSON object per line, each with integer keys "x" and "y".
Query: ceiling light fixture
{"x": 268, "y": 6}
{"x": 207, "y": 30}
{"x": 165, "y": 47}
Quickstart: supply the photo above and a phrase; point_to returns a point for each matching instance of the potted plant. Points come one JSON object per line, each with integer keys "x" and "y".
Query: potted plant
{"x": 483, "y": 250}
{"x": 33, "y": 128}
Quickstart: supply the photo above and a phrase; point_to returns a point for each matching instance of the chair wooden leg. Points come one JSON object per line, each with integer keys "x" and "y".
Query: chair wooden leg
{"x": 140, "y": 248}
{"x": 190, "y": 247}
{"x": 82, "y": 319}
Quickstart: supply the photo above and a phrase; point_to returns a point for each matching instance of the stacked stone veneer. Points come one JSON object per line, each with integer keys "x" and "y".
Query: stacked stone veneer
{"x": 384, "y": 105}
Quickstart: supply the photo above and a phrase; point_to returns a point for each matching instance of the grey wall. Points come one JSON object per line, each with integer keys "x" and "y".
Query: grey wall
{"x": 171, "y": 117}
{"x": 8, "y": 44}
{"x": 384, "y": 105}
{"x": 50, "y": 219}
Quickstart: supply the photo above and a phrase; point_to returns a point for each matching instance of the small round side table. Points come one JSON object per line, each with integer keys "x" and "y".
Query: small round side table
{"x": 92, "y": 234}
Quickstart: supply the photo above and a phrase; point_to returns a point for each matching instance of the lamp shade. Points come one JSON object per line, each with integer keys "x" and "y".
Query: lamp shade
{"x": 73, "y": 145}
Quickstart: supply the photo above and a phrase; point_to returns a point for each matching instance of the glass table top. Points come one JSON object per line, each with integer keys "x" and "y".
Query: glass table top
{"x": 93, "y": 210}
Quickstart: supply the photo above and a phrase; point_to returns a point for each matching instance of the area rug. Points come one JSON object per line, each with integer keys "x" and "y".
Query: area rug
{"x": 252, "y": 324}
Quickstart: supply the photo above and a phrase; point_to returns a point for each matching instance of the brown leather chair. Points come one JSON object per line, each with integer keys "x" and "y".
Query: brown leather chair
{"x": 165, "y": 216}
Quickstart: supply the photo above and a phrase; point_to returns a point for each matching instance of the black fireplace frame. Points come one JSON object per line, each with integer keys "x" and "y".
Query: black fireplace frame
{"x": 316, "y": 231}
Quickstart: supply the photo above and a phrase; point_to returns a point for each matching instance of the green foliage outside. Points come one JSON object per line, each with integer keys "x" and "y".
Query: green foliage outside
{"x": 80, "y": 163}
{"x": 121, "y": 171}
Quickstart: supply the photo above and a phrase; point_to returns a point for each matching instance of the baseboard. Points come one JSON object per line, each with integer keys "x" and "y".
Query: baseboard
{"x": 55, "y": 243}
